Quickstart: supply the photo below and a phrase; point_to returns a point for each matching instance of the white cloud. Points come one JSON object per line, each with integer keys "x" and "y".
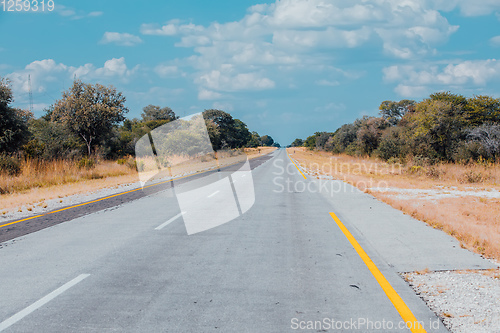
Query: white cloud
{"x": 170, "y": 29}
{"x": 411, "y": 91}
{"x": 320, "y": 13}
{"x": 153, "y": 29}
{"x": 477, "y": 7}
{"x": 327, "y": 83}
{"x": 46, "y": 66}
{"x": 415, "y": 80}
{"x": 301, "y": 35}
{"x": 407, "y": 28}
{"x": 113, "y": 68}
{"x": 192, "y": 41}
{"x": 227, "y": 79}
{"x": 123, "y": 39}
{"x": 466, "y": 7}
{"x": 476, "y": 72}
{"x": 65, "y": 11}
{"x": 41, "y": 72}
{"x": 228, "y": 107}
{"x": 495, "y": 41}
{"x": 95, "y": 14}
{"x": 205, "y": 94}
{"x": 75, "y": 14}
{"x": 328, "y": 38}
{"x": 168, "y": 71}
{"x": 47, "y": 74}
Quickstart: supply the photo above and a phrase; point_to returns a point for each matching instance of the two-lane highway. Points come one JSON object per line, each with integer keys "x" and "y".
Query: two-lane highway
{"x": 286, "y": 264}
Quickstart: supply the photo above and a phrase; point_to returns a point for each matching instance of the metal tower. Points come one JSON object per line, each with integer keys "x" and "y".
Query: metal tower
{"x": 30, "y": 93}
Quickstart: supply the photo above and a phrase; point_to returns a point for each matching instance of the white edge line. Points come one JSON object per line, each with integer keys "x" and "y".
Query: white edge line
{"x": 169, "y": 221}
{"x": 41, "y": 302}
{"x": 211, "y": 195}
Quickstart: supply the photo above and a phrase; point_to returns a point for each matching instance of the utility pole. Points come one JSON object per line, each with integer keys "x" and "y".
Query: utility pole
{"x": 30, "y": 93}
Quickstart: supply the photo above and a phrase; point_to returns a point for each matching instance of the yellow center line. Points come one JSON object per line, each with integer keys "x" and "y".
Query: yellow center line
{"x": 393, "y": 296}
{"x": 111, "y": 196}
{"x": 295, "y": 165}
{"x": 89, "y": 202}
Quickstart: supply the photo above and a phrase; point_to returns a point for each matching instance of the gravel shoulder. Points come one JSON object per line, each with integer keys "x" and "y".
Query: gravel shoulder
{"x": 466, "y": 301}
{"x": 56, "y": 203}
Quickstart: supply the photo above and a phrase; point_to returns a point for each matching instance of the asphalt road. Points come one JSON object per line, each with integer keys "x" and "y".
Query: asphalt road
{"x": 284, "y": 265}
{"x": 24, "y": 226}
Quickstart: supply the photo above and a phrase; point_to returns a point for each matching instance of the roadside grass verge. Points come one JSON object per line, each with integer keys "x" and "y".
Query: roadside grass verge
{"x": 39, "y": 174}
{"x": 471, "y": 216}
{"x": 39, "y": 181}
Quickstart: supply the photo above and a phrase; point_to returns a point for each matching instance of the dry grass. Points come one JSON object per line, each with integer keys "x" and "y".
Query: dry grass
{"x": 473, "y": 220}
{"x": 38, "y": 196}
{"x": 409, "y": 175}
{"x": 39, "y": 174}
{"x": 44, "y": 180}
{"x": 255, "y": 152}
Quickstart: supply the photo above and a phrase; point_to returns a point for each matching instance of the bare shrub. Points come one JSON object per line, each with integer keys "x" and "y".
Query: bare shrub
{"x": 473, "y": 177}
{"x": 485, "y": 141}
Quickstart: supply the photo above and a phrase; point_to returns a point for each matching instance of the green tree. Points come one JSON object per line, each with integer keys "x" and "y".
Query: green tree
{"x": 51, "y": 140}
{"x": 13, "y": 122}
{"x": 482, "y": 109}
{"x": 310, "y": 142}
{"x": 225, "y": 131}
{"x": 155, "y": 112}
{"x": 393, "y": 112}
{"x": 345, "y": 137}
{"x": 297, "y": 143}
{"x": 90, "y": 111}
{"x": 267, "y": 140}
{"x": 220, "y": 126}
{"x": 154, "y": 116}
{"x": 370, "y": 133}
{"x": 392, "y": 143}
{"x": 254, "y": 141}
{"x": 321, "y": 140}
{"x": 242, "y": 134}
{"x": 456, "y": 100}
{"x": 436, "y": 127}
{"x": 6, "y": 95}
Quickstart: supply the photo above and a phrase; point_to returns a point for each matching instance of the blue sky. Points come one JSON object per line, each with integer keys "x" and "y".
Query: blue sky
{"x": 286, "y": 68}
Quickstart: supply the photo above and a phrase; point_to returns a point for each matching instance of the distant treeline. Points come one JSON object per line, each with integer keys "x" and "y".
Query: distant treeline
{"x": 444, "y": 127}
{"x": 89, "y": 120}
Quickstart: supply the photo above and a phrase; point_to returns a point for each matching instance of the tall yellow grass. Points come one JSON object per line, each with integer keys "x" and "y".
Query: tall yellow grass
{"x": 38, "y": 173}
